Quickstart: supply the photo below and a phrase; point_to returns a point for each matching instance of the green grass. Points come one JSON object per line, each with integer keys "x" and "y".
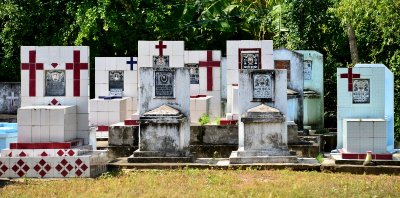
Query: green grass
{"x": 210, "y": 183}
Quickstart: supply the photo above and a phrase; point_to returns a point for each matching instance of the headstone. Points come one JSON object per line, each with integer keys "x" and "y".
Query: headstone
{"x": 116, "y": 83}
{"x": 164, "y": 107}
{"x": 263, "y": 135}
{"x": 313, "y": 103}
{"x": 244, "y": 54}
{"x": 9, "y": 97}
{"x": 293, "y": 63}
{"x": 205, "y": 82}
{"x": 53, "y": 126}
{"x": 365, "y": 118}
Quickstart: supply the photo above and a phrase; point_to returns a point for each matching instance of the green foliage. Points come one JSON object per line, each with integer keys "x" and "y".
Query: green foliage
{"x": 320, "y": 158}
{"x": 204, "y": 119}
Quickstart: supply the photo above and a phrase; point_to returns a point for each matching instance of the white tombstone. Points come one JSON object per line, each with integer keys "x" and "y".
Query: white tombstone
{"x": 293, "y": 63}
{"x": 365, "y": 117}
{"x": 313, "y": 103}
{"x": 114, "y": 77}
{"x": 205, "y": 82}
{"x": 164, "y": 103}
{"x": 262, "y": 124}
{"x": 245, "y": 54}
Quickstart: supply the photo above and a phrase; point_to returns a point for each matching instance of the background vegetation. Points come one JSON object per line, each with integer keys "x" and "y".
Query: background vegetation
{"x": 112, "y": 28}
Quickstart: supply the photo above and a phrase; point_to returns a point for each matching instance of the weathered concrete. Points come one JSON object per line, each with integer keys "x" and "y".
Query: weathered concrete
{"x": 292, "y": 133}
{"x": 214, "y": 134}
{"x": 10, "y": 97}
{"x": 123, "y": 135}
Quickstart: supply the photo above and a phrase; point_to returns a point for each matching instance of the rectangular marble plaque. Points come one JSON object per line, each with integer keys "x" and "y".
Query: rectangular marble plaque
{"x": 361, "y": 91}
{"x": 307, "y": 69}
{"x": 164, "y": 83}
{"x": 250, "y": 60}
{"x": 193, "y": 72}
{"x": 160, "y": 61}
{"x": 116, "y": 81}
{"x": 55, "y": 83}
{"x": 283, "y": 64}
{"x": 263, "y": 86}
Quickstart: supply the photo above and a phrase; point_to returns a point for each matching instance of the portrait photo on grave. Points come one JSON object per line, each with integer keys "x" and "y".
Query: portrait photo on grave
{"x": 116, "y": 82}
{"x": 193, "y": 72}
{"x": 263, "y": 86}
{"x": 361, "y": 91}
{"x": 55, "y": 83}
{"x": 307, "y": 69}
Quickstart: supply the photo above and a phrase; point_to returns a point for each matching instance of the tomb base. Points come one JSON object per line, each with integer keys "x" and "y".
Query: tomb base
{"x": 160, "y": 157}
{"x": 272, "y": 156}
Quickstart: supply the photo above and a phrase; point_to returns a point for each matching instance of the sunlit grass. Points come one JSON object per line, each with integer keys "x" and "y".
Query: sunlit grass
{"x": 210, "y": 183}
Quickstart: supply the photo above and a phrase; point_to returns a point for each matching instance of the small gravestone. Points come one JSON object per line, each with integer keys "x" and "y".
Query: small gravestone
{"x": 262, "y": 122}
{"x": 313, "y": 103}
{"x": 163, "y": 105}
{"x": 55, "y": 83}
{"x": 365, "y": 120}
{"x": 293, "y": 63}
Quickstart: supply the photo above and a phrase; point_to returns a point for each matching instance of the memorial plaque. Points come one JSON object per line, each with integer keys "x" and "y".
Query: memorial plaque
{"x": 55, "y": 83}
{"x": 116, "y": 82}
{"x": 164, "y": 83}
{"x": 283, "y": 64}
{"x": 263, "y": 86}
{"x": 193, "y": 72}
{"x": 361, "y": 91}
{"x": 160, "y": 61}
{"x": 250, "y": 60}
{"x": 307, "y": 69}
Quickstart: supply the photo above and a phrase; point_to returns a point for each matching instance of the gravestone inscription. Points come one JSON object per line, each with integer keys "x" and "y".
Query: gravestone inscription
{"x": 263, "y": 86}
{"x": 193, "y": 72}
{"x": 55, "y": 83}
{"x": 307, "y": 69}
{"x": 361, "y": 91}
{"x": 164, "y": 83}
{"x": 160, "y": 61}
{"x": 250, "y": 60}
{"x": 116, "y": 82}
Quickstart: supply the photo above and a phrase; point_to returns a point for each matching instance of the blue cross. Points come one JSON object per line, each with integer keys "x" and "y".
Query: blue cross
{"x": 131, "y": 62}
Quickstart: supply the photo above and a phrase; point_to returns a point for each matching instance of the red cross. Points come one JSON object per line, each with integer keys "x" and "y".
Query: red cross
{"x": 77, "y": 66}
{"x": 350, "y": 77}
{"x": 209, "y": 64}
{"x": 161, "y": 47}
{"x": 32, "y": 66}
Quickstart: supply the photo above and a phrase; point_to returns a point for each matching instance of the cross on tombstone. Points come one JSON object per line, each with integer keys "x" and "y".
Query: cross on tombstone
{"x": 32, "y": 66}
{"x": 350, "y": 77}
{"x": 12, "y": 98}
{"x": 131, "y": 62}
{"x": 161, "y": 47}
{"x": 77, "y": 66}
{"x": 209, "y": 64}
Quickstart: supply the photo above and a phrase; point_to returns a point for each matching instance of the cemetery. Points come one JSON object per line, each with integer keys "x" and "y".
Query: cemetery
{"x": 219, "y": 99}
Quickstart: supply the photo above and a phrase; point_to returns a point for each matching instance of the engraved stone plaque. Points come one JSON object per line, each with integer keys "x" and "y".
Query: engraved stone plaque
{"x": 164, "y": 83}
{"x": 193, "y": 72}
{"x": 361, "y": 91}
{"x": 262, "y": 86}
{"x": 283, "y": 64}
{"x": 307, "y": 69}
{"x": 116, "y": 82}
{"x": 160, "y": 61}
{"x": 250, "y": 60}
{"x": 55, "y": 83}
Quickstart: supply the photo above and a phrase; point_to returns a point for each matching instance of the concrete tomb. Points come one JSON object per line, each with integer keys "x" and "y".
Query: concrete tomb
{"x": 9, "y": 97}
{"x": 164, "y": 105}
{"x": 263, "y": 134}
{"x": 313, "y": 102}
{"x": 293, "y": 63}
{"x": 116, "y": 90}
{"x": 244, "y": 54}
{"x": 365, "y": 117}
{"x": 53, "y": 121}
{"x": 205, "y": 83}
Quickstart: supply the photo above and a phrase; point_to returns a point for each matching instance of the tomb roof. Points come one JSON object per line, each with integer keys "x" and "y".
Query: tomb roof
{"x": 163, "y": 110}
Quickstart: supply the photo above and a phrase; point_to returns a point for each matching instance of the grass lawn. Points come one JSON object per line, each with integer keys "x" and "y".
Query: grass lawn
{"x": 210, "y": 183}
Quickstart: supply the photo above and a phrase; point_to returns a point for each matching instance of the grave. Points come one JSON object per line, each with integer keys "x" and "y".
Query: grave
{"x": 164, "y": 103}
{"x": 365, "y": 118}
{"x": 9, "y": 97}
{"x": 313, "y": 103}
{"x": 263, "y": 111}
{"x": 293, "y": 63}
{"x": 53, "y": 126}
{"x": 116, "y": 86}
{"x": 244, "y": 54}
{"x": 205, "y": 83}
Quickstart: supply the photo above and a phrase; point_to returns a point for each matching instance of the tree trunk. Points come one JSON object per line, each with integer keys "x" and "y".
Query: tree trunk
{"x": 353, "y": 44}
